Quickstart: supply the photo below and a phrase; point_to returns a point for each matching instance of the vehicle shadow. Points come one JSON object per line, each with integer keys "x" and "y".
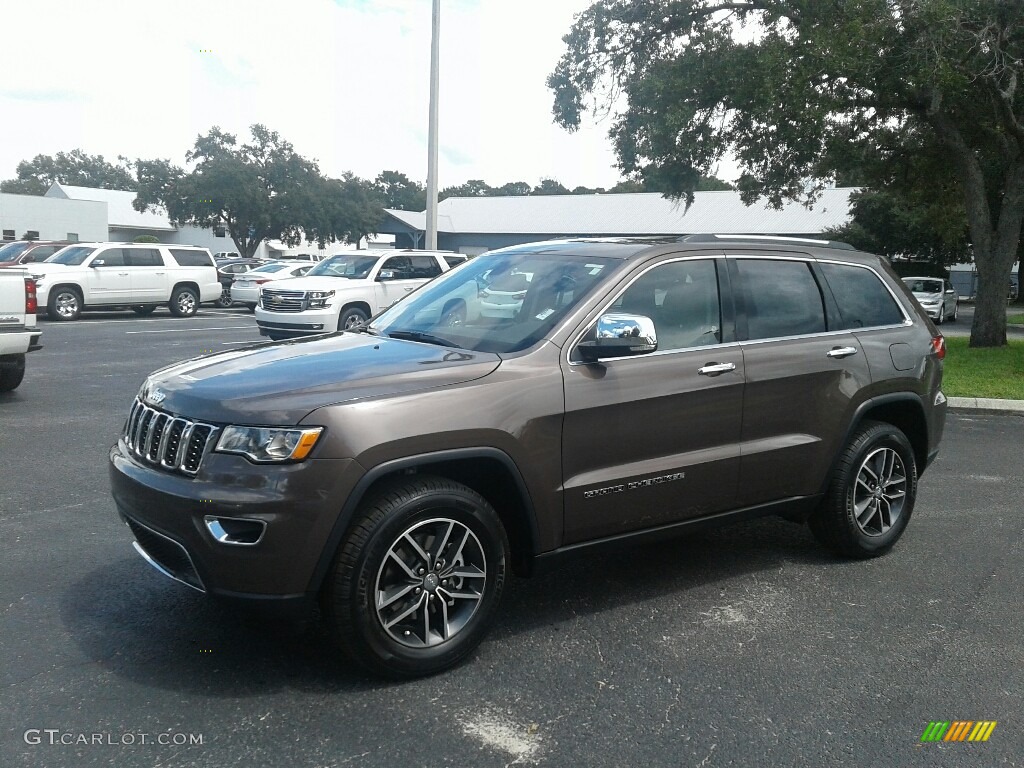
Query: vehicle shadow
{"x": 138, "y": 625}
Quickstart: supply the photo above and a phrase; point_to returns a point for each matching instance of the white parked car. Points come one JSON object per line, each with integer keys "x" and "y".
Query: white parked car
{"x": 246, "y": 287}
{"x": 345, "y": 291}
{"x": 938, "y": 297}
{"x": 503, "y": 296}
{"x": 140, "y": 276}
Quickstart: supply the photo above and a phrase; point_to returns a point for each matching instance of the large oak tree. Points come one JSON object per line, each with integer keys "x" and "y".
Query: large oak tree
{"x": 801, "y": 90}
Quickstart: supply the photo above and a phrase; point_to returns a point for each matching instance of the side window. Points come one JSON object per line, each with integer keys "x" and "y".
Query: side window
{"x": 190, "y": 258}
{"x": 454, "y": 261}
{"x": 863, "y": 300}
{"x": 781, "y": 298}
{"x": 111, "y": 257}
{"x": 144, "y": 257}
{"x": 425, "y": 266}
{"x": 681, "y": 298}
{"x": 400, "y": 265}
{"x": 44, "y": 252}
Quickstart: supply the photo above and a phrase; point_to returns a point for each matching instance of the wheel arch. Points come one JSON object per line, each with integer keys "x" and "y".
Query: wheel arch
{"x": 904, "y": 410}
{"x": 186, "y": 284}
{"x": 489, "y": 471}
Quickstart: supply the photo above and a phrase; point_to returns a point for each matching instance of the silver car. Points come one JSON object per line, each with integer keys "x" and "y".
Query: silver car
{"x": 938, "y": 297}
{"x": 246, "y": 287}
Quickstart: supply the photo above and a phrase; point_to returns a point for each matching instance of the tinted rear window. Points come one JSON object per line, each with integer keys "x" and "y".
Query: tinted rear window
{"x": 864, "y": 302}
{"x": 190, "y": 258}
{"x": 782, "y": 298}
{"x": 144, "y": 257}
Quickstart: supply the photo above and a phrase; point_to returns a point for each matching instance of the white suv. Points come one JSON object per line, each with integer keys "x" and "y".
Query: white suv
{"x": 112, "y": 275}
{"x": 345, "y": 290}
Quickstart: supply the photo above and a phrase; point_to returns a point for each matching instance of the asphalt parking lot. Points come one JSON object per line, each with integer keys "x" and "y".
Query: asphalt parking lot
{"x": 746, "y": 646}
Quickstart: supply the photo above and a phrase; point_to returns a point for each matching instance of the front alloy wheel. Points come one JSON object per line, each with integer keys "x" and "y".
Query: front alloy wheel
{"x": 418, "y": 577}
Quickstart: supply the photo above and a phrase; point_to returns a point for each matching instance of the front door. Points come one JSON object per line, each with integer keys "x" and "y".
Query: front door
{"x": 109, "y": 279}
{"x": 654, "y": 439}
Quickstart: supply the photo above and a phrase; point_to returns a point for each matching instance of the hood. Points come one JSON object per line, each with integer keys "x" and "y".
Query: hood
{"x": 315, "y": 283}
{"x": 278, "y": 383}
{"x": 43, "y": 267}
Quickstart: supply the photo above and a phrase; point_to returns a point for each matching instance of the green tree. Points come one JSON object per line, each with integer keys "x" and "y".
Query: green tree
{"x": 807, "y": 89}
{"x": 472, "y": 188}
{"x": 513, "y": 189}
{"x": 357, "y": 208}
{"x": 549, "y": 187}
{"x": 75, "y": 168}
{"x": 399, "y": 192}
{"x": 146, "y": 239}
{"x": 257, "y": 191}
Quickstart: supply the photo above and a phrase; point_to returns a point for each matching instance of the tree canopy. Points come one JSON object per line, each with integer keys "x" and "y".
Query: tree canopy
{"x": 919, "y": 97}
{"x": 75, "y": 168}
{"x": 257, "y": 191}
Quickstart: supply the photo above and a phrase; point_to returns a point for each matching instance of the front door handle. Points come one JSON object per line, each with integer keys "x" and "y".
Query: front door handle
{"x": 716, "y": 369}
{"x": 841, "y": 352}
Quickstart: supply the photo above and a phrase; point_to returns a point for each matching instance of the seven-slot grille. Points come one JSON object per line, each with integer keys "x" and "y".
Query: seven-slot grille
{"x": 170, "y": 442}
{"x": 283, "y": 301}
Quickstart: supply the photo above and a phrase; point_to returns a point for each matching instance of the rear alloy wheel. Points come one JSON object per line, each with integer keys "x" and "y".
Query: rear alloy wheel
{"x": 418, "y": 578}
{"x": 942, "y": 315}
{"x": 956, "y": 311}
{"x": 225, "y": 302}
{"x": 11, "y": 373}
{"x": 871, "y": 495}
{"x": 184, "y": 302}
{"x": 64, "y": 304}
{"x": 144, "y": 310}
{"x": 351, "y": 318}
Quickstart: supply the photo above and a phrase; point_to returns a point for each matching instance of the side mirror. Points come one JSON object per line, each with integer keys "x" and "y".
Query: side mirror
{"x": 620, "y": 335}
{"x": 386, "y": 274}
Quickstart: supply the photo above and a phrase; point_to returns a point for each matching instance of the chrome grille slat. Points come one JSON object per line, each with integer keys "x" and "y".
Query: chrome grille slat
{"x": 283, "y": 301}
{"x": 167, "y": 441}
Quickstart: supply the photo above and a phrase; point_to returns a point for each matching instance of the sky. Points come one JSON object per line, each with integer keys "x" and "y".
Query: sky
{"x": 345, "y": 81}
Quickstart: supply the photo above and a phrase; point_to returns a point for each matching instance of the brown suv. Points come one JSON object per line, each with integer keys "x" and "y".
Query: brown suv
{"x": 628, "y": 389}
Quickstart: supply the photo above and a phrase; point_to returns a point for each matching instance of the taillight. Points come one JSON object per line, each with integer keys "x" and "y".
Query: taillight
{"x": 261, "y": 282}
{"x": 939, "y": 346}
{"x": 31, "y": 305}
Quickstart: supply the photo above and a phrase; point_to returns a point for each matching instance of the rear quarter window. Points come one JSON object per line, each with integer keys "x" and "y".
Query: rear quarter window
{"x": 190, "y": 258}
{"x": 863, "y": 300}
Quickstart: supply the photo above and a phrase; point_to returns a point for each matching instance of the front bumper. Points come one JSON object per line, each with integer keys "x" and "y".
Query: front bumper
{"x": 175, "y": 521}
{"x": 291, "y": 325}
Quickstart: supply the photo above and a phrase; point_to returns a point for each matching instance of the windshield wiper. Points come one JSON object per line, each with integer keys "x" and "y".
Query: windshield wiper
{"x": 420, "y": 336}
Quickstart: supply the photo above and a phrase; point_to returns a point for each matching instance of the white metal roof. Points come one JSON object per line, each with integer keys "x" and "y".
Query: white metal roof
{"x": 120, "y": 213}
{"x": 639, "y": 213}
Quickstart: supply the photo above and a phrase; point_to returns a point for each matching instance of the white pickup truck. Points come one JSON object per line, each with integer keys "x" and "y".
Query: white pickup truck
{"x": 346, "y": 290}
{"x": 18, "y": 332}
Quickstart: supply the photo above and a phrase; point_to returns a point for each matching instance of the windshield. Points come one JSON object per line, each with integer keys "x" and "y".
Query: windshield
{"x": 924, "y": 286}
{"x": 12, "y": 251}
{"x": 73, "y": 255}
{"x": 352, "y": 267}
{"x": 503, "y": 301}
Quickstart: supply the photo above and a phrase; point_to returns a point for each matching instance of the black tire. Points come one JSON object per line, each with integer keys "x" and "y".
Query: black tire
{"x": 184, "y": 302}
{"x": 224, "y": 301}
{"x": 65, "y": 304}
{"x": 11, "y": 373}
{"x": 956, "y": 311}
{"x": 144, "y": 310}
{"x": 942, "y": 315}
{"x": 251, "y": 307}
{"x": 453, "y": 315}
{"x": 877, "y": 475}
{"x": 404, "y": 638}
{"x": 351, "y": 317}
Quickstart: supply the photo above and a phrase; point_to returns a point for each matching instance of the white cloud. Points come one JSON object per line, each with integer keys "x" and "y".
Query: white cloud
{"x": 345, "y": 82}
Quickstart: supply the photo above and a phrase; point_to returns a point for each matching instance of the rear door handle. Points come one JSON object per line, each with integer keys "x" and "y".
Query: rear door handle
{"x": 841, "y": 352}
{"x": 716, "y": 369}
{"x": 123, "y": 274}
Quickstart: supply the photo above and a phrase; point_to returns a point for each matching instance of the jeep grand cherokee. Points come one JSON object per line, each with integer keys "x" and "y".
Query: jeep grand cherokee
{"x": 397, "y": 471}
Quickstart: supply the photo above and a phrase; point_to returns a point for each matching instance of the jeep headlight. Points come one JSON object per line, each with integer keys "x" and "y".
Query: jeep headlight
{"x": 269, "y": 444}
{"x": 319, "y": 299}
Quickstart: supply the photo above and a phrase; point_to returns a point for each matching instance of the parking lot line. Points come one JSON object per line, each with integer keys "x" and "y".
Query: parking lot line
{"x": 190, "y": 330}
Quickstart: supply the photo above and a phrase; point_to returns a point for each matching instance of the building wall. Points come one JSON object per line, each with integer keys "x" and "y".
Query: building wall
{"x": 53, "y": 218}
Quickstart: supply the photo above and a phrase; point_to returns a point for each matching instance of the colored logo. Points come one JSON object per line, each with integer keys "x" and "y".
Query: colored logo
{"x": 958, "y": 730}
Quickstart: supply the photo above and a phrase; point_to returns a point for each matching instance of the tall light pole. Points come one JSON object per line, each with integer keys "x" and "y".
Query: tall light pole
{"x": 435, "y": 35}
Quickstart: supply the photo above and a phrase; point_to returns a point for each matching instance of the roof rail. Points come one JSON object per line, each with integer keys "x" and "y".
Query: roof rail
{"x": 767, "y": 240}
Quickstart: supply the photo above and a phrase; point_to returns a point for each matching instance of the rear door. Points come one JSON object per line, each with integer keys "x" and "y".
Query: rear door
{"x": 654, "y": 439}
{"x": 803, "y": 375}
{"x": 150, "y": 283}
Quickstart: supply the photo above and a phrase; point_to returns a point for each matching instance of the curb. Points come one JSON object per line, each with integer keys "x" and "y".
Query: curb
{"x": 986, "y": 404}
